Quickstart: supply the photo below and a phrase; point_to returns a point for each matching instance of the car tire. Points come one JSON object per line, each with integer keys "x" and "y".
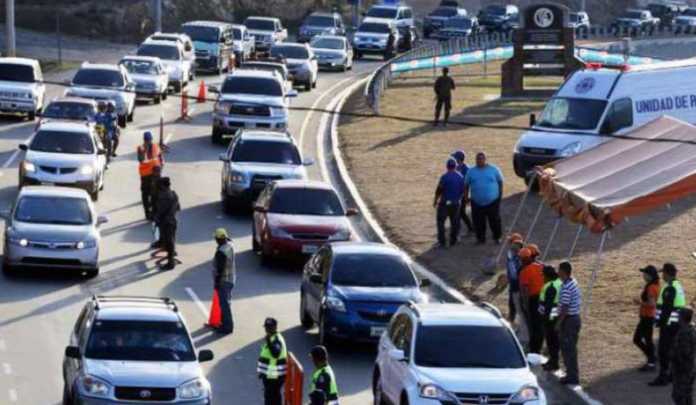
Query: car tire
{"x": 377, "y": 391}
{"x": 255, "y": 247}
{"x": 176, "y": 87}
{"x": 31, "y": 116}
{"x": 216, "y": 137}
{"x": 308, "y": 86}
{"x": 305, "y": 319}
{"x": 91, "y": 273}
{"x": 157, "y": 99}
{"x": 122, "y": 121}
{"x": 66, "y": 396}
{"x": 95, "y": 195}
{"x": 404, "y": 399}
{"x": 164, "y": 95}
{"x": 314, "y": 84}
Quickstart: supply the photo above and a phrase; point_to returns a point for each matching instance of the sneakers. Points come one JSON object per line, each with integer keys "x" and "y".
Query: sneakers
{"x": 550, "y": 366}
{"x": 647, "y": 367}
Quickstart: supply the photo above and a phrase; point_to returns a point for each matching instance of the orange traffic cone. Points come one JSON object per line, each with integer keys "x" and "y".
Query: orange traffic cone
{"x": 215, "y": 318}
{"x": 201, "y": 92}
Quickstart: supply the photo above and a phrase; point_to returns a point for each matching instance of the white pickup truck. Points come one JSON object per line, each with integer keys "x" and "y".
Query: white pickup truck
{"x": 267, "y": 31}
{"x": 243, "y": 44}
{"x": 21, "y": 86}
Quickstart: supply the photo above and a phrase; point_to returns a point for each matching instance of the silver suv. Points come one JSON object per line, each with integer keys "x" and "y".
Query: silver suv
{"x": 133, "y": 350}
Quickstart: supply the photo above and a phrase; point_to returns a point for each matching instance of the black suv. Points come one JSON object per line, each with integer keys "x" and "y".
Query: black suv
{"x": 497, "y": 18}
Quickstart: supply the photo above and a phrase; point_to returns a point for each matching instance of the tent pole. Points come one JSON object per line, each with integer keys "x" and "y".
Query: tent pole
{"x": 516, "y": 218}
{"x": 551, "y": 238}
{"x": 575, "y": 243}
{"x": 528, "y": 237}
{"x": 595, "y": 270}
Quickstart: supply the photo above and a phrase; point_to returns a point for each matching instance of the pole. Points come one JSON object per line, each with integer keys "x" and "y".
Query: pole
{"x": 552, "y": 237}
{"x": 59, "y": 38}
{"x": 595, "y": 270}
{"x": 582, "y": 5}
{"x": 10, "y": 44}
{"x": 158, "y": 15}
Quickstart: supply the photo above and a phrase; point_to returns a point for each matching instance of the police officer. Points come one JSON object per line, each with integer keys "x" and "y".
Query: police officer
{"x": 669, "y": 302}
{"x": 149, "y": 156}
{"x": 224, "y": 277}
{"x": 165, "y": 218}
{"x": 272, "y": 363}
{"x": 154, "y": 195}
{"x": 683, "y": 355}
{"x": 323, "y": 378}
{"x": 448, "y": 199}
{"x": 548, "y": 308}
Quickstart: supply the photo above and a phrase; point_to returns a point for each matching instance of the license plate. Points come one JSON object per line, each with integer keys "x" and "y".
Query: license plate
{"x": 309, "y": 249}
{"x": 376, "y": 331}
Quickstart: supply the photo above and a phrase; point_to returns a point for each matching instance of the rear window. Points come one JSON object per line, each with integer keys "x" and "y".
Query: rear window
{"x": 260, "y": 25}
{"x": 374, "y": 27}
{"x": 444, "y": 12}
{"x": 163, "y": 52}
{"x": 290, "y": 52}
{"x": 252, "y": 85}
{"x": 327, "y": 43}
{"x": 201, "y": 33}
{"x": 79, "y": 143}
{"x": 265, "y": 68}
{"x": 303, "y": 201}
{"x": 11, "y": 72}
{"x": 266, "y": 152}
{"x": 372, "y": 270}
{"x": 142, "y": 67}
{"x": 69, "y": 111}
{"x": 98, "y": 78}
{"x": 320, "y": 21}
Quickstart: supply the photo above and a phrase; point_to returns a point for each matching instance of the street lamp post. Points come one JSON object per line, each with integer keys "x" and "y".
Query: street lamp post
{"x": 10, "y": 45}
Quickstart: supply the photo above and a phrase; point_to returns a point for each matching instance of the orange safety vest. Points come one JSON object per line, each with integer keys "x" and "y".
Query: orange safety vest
{"x": 147, "y": 166}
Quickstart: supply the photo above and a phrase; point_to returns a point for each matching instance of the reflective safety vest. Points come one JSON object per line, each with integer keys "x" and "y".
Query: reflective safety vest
{"x": 148, "y": 164}
{"x": 556, "y": 285}
{"x": 679, "y": 301}
{"x": 269, "y": 366}
{"x": 332, "y": 395}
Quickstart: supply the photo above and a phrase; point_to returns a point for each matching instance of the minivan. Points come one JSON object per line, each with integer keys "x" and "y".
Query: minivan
{"x": 213, "y": 42}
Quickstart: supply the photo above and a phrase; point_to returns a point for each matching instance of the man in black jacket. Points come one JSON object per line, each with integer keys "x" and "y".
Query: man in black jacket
{"x": 165, "y": 218}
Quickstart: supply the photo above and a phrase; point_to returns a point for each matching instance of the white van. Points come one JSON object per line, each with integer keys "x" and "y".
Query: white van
{"x": 595, "y": 103}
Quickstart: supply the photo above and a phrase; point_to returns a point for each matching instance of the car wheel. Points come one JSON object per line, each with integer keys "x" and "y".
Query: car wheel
{"x": 95, "y": 195}
{"x": 255, "y": 247}
{"x": 377, "y": 391}
{"x": 305, "y": 319}
{"x": 91, "y": 273}
{"x": 164, "y": 95}
{"x": 314, "y": 84}
{"x": 308, "y": 86}
{"x": 404, "y": 399}
{"x": 157, "y": 99}
{"x": 216, "y": 137}
{"x": 176, "y": 87}
{"x": 31, "y": 115}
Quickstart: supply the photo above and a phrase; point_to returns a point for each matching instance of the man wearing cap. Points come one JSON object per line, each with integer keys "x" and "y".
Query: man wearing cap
{"x": 669, "y": 302}
{"x": 165, "y": 218}
{"x": 149, "y": 156}
{"x": 643, "y": 335}
{"x": 448, "y": 198}
{"x": 531, "y": 282}
{"x": 272, "y": 363}
{"x": 323, "y": 378}
{"x": 224, "y": 277}
{"x": 683, "y": 356}
{"x": 462, "y": 168}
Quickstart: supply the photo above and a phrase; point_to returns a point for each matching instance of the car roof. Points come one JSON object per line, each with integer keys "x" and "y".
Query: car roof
{"x": 367, "y": 248}
{"x": 174, "y": 35}
{"x": 240, "y": 26}
{"x": 162, "y": 43}
{"x": 80, "y": 100}
{"x": 65, "y": 126}
{"x": 290, "y": 45}
{"x": 331, "y": 37}
{"x": 153, "y": 59}
{"x": 391, "y": 6}
{"x": 253, "y": 73}
{"x": 265, "y": 136}
{"x": 205, "y": 23}
{"x": 454, "y": 314}
{"x": 136, "y": 311}
{"x": 323, "y": 14}
{"x": 309, "y": 184}
{"x": 19, "y": 61}
{"x": 100, "y": 66}
{"x": 50, "y": 191}
{"x": 253, "y": 17}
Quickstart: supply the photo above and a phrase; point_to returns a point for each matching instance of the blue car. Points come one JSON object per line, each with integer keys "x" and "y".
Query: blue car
{"x": 350, "y": 290}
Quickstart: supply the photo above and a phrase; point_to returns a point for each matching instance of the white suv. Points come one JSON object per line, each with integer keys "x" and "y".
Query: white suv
{"x": 21, "y": 86}
{"x": 452, "y": 354}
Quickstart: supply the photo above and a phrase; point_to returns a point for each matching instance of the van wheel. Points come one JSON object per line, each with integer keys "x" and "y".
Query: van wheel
{"x": 8, "y": 270}
{"x": 91, "y": 273}
{"x": 404, "y": 399}
{"x": 31, "y": 115}
{"x": 157, "y": 99}
{"x": 377, "y": 391}
{"x": 164, "y": 95}
{"x": 308, "y": 86}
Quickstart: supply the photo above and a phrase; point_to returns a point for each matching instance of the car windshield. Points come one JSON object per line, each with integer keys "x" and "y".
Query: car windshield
{"x": 691, "y": 12}
{"x": 265, "y": 68}
{"x": 140, "y": 67}
{"x": 260, "y": 25}
{"x": 459, "y": 23}
{"x": 11, "y": 72}
{"x": 252, "y": 85}
{"x": 79, "y": 143}
{"x": 306, "y": 201}
{"x": 372, "y": 270}
{"x": 635, "y": 15}
{"x": 69, "y": 111}
{"x": 495, "y": 10}
{"x": 53, "y": 210}
{"x": 382, "y": 12}
{"x": 290, "y": 52}
{"x": 320, "y": 21}
{"x": 327, "y": 43}
{"x": 98, "y": 78}
{"x": 572, "y": 113}
{"x": 236, "y": 34}
{"x": 445, "y": 346}
{"x": 284, "y": 153}
{"x": 444, "y": 12}
{"x": 164, "y": 52}
{"x": 202, "y": 34}
{"x": 139, "y": 341}
{"x": 374, "y": 27}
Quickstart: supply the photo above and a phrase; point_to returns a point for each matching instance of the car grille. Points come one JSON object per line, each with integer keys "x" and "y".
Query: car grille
{"x": 256, "y": 110}
{"x": 52, "y": 245}
{"x": 202, "y": 54}
{"x": 41, "y": 261}
{"x": 58, "y": 170}
{"x": 145, "y": 394}
{"x": 382, "y": 316}
{"x": 540, "y": 151}
{"x": 477, "y": 399}
{"x": 14, "y": 94}
{"x": 309, "y": 236}
{"x": 259, "y": 182}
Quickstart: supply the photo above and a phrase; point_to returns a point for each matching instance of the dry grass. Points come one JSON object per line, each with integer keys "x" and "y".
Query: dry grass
{"x": 396, "y": 165}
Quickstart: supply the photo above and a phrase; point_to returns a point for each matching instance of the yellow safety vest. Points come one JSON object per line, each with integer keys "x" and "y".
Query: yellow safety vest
{"x": 332, "y": 395}
{"x": 556, "y": 285}
{"x": 679, "y": 301}
{"x": 270, "y": 366}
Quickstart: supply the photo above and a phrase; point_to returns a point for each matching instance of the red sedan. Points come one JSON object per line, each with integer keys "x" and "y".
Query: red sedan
{"x": 293, "y": 218}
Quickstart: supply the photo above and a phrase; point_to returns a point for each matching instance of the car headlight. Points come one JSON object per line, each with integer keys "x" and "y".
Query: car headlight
{"x": 525, "y": 394}
{"x": 280, "y": 233}
{"x": 571, "y": 149}
{"x": 94, "y": 386}
{"x": 433, "y": 391}
{"x": 28, "y": 96}
{"x": 278, "y": 111}
{"x": 222, "y": 108}
{"x": 18, "y": 241}
{"x": 193, "y": 389}
{"x": 237, "y": 177}
{"x": 343, "y": 234}
{"x": 29, "y": 167}
{"x": 86, "y": 170}
{"x": 86, "y": 244}
{"x": 335, "y": 303}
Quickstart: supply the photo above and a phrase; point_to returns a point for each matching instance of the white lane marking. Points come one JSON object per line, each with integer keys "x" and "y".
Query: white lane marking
{"x": 11, "y": 159}
{"x": 3, "y": 346}
{"x": 12, "y": 393}
{"x": 308, "y": 117}
{"x": 168, "y": 137}
{"x": 198, "y": 301}
{"x": 7, "y": 368}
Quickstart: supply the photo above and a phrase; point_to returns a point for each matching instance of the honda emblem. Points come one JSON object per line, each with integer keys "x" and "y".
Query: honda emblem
{"x": 483, "y": 400}
{"x": 144, "y": 394}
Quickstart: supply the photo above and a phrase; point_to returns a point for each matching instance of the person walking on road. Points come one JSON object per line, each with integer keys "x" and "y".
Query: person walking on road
{"x": 548, "y": 308}
{"x": 149, "y": 157}
{"x": 462, "y": 168}
{"x": 443, "y": 95}
{"x": 670, "y": 300}
{"x": 113, "y": 132}
{"x": 643, "y": 335}
{"x": 224, "y": 278}
{"x": 166, "y": 219}
{"x": 683, "y": 356}
{"x": 272, "y": 363}
{"x": 569, "y": 325}
{"x": 531, "y": 281}
{"x": 484, "y": 185}
{"x": 448, "y": 198}
{"x": 323, "y": 378}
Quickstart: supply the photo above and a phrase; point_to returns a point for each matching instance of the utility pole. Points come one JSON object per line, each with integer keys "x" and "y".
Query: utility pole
{"x": 582, "y": 5}
{"x": 10, "y": 45}
{"x": 158, "y": 15}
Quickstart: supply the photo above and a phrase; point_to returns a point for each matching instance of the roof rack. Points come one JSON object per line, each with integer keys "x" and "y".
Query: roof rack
{"x": 487, "y": 306}
{"x": 98, "y": 299}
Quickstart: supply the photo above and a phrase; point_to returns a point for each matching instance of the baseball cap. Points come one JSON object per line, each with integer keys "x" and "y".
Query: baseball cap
{"x": 670, "y": 269}
{"x": 220, "y": 233}
{"x": 459, "y": 155}
{"x": 649, "y": 270}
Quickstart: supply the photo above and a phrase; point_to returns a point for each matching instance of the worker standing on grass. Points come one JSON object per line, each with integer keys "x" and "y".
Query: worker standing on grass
{"x": 149, "y": 156}
{"x": 323, "y": 378}
{"x": 513, "y": 267}
{"x": 448, "y": 198}
{"x": 683, "y": 356}
{"x": 272, "y": 363}
{"x": 224, "y": 278}
{"x": 548, "y": 308}
{"x": 643, "y": 335}
{"x": 443, "y": 96}
{"x": 669, "y": 302}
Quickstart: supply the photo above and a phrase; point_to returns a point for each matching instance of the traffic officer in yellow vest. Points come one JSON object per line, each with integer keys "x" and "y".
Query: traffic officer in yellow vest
{"x": 669, "y": 302}
{"x": 224, "y": 278}
{"x": 323, "y": 378}
{"x": 548, "y": 308}
{"x": 272, "y": 363}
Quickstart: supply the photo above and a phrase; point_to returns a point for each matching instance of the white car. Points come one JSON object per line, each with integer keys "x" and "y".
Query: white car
{"x": 149, "y": 75}
{"x": 21, "y": 86}
{"x": 686, "y": 19}
{"x": 106, "y": 82}
{"x": 185, "y": 41}
{"x": 452, "y": 354}
{"x": 65, "y": 154}
{"x": 267, "y": 31}
{"x": 172, "y": 56}
{"x": 333, "y": 52}
{"x": 301, "y": 62}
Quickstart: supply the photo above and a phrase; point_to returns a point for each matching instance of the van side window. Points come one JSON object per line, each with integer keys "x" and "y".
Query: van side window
{"x": 620, "y": 116}
{"x": 408, "y": 13}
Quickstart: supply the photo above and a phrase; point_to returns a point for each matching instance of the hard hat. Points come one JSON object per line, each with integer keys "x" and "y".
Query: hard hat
{"x": 147, "y": 136}
{"x": 220, "y": 233}
{"x": 525, "y": 254}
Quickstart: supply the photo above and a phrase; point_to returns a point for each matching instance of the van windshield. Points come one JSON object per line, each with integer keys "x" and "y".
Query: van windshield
{"x": 572, "y": 113}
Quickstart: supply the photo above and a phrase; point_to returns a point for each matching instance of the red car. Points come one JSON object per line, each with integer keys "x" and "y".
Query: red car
{"x": 293, "y": 218}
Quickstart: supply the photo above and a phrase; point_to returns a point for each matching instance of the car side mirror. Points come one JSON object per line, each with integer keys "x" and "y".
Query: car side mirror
{"x": 101, "y": 151}
{"x": 535, "y": 359}
{"x": 223, "y": 157}
{"x": 23, "y": 146}
{"x": 72, "y": 352}
{"x": 213, "y": 89}
{"x": 351, "y": 212}
{"x": 316, "y": 278}
{"x": 532, "y": 120}
{"x": 102, "y": 219}
{"x": 5, "y": 214}
{"x": 307, "y": 162}
{"x": 426, "y": 282}
{"x": 397, "y": 355}
{"x": 205, "y": 355}
{"x": 260, "y": 208}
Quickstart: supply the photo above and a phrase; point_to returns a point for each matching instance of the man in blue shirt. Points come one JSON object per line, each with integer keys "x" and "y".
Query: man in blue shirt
{"x": 485, "y": 184}
{"x": 462, "y": 168}
{"x": 448, "y": 198}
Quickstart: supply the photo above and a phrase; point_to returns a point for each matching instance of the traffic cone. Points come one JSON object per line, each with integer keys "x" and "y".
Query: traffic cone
{"x": 215, "y": 318}
{"x": 201, "y": 92}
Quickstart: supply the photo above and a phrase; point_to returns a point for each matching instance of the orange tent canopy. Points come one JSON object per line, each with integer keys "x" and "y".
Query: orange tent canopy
{"x": 646, "y": 168}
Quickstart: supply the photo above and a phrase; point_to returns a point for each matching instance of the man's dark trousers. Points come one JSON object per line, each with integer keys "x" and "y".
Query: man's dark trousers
{"x": 664, "y": 348}
{"x": 272, "y": 391}
{"x": 224, "y": 296}
{"x": 643, "y": 338}
{"x": 535, "y": 325}
{"x": 482, "y": 214}
{"x": 450, "y": 211}
{"x": 445, "y": 101}
{"x": 146, "y": 195}
{"x": 570, "y": 332}
{"x": 168, "y": 238}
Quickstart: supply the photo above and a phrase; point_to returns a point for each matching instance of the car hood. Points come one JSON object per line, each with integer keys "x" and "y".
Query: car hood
{"x": 270, "y": 169}
{"x": 143, "y": 373}
{"x": 331, "y": 53}
{"x": 543, "y": 138}
{"x": 362, "y": 34}
{"x": 273, "y": 101}
{"x": 52, "y": 233}
{"x": 323, "y": 224}
{"x": 378, "y": 294}
{"x": 473, "y": 380}
{"x": 172, "y": 64}
{"x": 378, "y": 20}
{"x": 144, "y": 78}
{"x": 58, "y": 159}
{"x": 17, "y": 86}
{"x": 95, "y": 92}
